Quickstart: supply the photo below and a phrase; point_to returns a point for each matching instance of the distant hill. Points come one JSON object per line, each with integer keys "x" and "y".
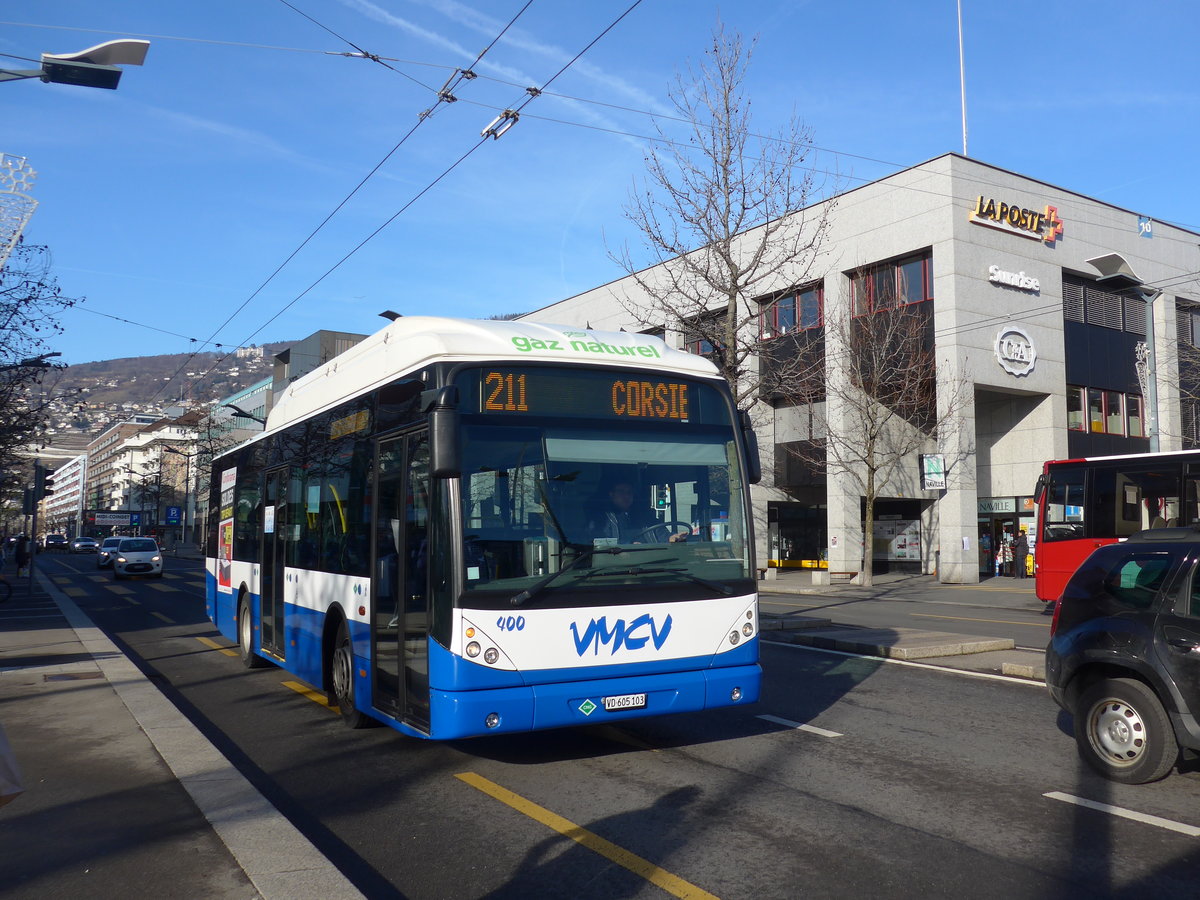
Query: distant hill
{"x": 87, "y": 398}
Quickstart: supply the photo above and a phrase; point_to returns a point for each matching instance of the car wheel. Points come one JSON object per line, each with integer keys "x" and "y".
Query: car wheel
{"x": 1123, "y": 732}
{"x": 250, "y": 659}
{"x": 342, "y": 669}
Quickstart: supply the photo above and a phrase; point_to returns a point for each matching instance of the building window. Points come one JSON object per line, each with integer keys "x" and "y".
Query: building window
{"x": 1084, "y": 301}
{"x": 1107, "y": 412}
{"x": 792, "y": 312}
{"x": 1075, "y": 409}
{"x": 1133, "y": 407}
{"x": 892, "y": 284}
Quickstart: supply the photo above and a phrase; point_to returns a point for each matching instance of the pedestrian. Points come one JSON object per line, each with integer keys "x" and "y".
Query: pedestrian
{"x": 22, "y": 555}
{"x": 1020, "y": 553}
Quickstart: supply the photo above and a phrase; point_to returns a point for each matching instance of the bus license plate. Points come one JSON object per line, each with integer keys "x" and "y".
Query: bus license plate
{"x": 625, "y": 701}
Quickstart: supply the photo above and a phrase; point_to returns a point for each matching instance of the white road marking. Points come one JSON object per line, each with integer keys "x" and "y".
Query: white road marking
{"x": 1028, "y": 682}
{"x": 800, "y": 726}
{"x": 1156, "y": 821}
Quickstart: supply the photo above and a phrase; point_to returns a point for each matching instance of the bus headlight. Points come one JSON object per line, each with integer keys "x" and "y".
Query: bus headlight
{"x": 473, "y": 649}
{"x": 747, "y": 629}
{"x": 492, "y": 720}
{"x": 491, "y": 655}
{"x": 734, "y": 637}
{"x": 736, "y": 694}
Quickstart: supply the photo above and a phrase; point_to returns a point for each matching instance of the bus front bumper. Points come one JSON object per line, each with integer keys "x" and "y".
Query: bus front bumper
{"x": 460, "y": 714}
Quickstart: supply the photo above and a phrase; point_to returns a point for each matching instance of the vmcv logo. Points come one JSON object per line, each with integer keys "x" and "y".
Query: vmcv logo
{"x": 622, "y": 636}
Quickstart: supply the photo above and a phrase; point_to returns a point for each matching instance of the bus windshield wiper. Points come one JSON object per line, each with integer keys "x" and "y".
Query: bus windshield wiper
{"x": 538, "y": 586}
{"x": 675, "y": 570}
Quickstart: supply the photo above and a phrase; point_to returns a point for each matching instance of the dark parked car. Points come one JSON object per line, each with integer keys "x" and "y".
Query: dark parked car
{"x": 56, "y": 543}
{"x": 1124, "y": 654}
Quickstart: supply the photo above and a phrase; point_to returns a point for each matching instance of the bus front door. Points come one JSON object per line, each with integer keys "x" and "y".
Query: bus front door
{"x": 400, "y": 617}
{"x": 274, "y": 558}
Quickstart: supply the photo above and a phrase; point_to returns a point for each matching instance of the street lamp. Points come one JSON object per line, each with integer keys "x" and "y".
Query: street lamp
{"x": 141, "y": 496}
{"x": 34, "y": 362}
{"x": 187, "y": 484}
{"x": 1116, "y": 272}
{"x": 94, "y": 67}
{"x": 240, "y": 413}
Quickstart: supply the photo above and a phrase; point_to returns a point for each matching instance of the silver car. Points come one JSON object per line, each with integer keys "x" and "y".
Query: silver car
{"x": 137, "y": 556}
{"x": 107, "y": 548}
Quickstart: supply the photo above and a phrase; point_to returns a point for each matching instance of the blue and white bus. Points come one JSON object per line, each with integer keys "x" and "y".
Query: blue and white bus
{"x": 415, "y": 531}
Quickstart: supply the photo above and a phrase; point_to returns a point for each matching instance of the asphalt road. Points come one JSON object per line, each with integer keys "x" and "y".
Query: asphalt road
{"x": 849, "y": 776}
{"x": 1029, "y": 627}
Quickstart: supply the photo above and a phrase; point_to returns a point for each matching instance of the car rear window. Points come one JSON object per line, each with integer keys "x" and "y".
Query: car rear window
{"x": 1136, "y": 579}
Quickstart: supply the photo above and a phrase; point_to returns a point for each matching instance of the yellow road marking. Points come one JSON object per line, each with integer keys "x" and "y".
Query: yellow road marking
{"x": 164, "y": 587}
{"x": 209, "y": 642}
{"x": 672, "y": 884}
{"x": 159, "y": 615}
{"x": 972, "y": 619}
{"x": 74, "y": 592}
{"x": 98, "y": 578}
{"x": 312, "y": 695}
{"x": 119, "y": 589}
{"x": 61, "y": 579}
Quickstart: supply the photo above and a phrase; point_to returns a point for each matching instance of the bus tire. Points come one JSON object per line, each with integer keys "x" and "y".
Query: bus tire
{"x": 341, "y": 675}
{"x": 1123, "y": 732}
{"x": 250, "y": 659}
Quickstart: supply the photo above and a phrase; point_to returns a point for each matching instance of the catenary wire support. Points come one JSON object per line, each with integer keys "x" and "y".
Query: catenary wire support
{"x": 499, "y": 125}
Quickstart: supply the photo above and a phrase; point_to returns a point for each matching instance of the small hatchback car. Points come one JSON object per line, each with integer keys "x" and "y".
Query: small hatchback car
{"x": 1124, "y": 654}
{"x": 137, "y": 556}
{"x": 105, "y": 554}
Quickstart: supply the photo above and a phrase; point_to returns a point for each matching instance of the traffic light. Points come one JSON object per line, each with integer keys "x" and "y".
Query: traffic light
{"x": 41, "y": 488}
{"x": 662, "y": 496}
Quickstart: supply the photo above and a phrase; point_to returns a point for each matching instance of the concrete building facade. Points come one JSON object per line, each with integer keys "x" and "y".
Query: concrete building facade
{"x": 1038, "y": 317}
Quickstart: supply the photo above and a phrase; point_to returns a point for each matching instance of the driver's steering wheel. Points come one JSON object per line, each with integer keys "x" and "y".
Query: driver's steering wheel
{"x": 657, "y": 525}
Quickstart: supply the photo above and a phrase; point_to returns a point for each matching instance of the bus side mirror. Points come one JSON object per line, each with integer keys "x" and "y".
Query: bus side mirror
{"x": 753, "y": 463}
{"x": 445, "y": 433}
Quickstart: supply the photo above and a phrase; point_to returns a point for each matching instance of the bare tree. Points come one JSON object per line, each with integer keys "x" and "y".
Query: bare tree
{"x": 722, "y": 217}
{"x": 30, "y": 302}
{"x": 871, "y": 396}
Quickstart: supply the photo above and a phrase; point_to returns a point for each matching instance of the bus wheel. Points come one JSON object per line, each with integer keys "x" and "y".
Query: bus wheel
{"x": 342, "y": 671}
{"x": 250, "y": 659}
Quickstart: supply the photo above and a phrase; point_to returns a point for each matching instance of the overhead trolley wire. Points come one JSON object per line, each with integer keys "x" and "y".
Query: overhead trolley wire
{"x": 442, "y": 98}
{"x": 532, "y": 94}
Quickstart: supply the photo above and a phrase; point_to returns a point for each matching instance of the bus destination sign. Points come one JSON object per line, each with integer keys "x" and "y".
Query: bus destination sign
{"x": 600, "y": 395}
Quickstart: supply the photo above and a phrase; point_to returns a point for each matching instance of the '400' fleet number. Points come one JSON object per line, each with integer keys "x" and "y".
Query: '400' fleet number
{"x": 511, "y": 623}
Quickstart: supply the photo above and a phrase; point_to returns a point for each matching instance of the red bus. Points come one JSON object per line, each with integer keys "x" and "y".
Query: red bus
{"x": 1086, "y": 503}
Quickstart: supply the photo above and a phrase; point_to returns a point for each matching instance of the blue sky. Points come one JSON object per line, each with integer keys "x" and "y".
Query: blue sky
{"x": 169, "y": 201}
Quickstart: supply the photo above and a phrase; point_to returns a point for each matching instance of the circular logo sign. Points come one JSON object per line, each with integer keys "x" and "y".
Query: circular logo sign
{"x": 1015, "y": 350}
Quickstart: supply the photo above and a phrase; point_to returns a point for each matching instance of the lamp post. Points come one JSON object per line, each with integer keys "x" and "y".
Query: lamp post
{"x": 141, "y": 498}
{"x": 239, "y": 413}
{"x": 1115, "y": 271}
{"x": 94, "y": 67}
{"x": 188, "y": 508}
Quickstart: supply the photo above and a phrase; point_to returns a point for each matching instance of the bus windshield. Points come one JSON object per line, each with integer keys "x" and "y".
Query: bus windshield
{"x": 544, "y": 499}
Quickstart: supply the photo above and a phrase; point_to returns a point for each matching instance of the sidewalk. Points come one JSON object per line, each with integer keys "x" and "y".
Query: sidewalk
{"x": 983, "y": 655}
{"x": 123, "y": 795}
